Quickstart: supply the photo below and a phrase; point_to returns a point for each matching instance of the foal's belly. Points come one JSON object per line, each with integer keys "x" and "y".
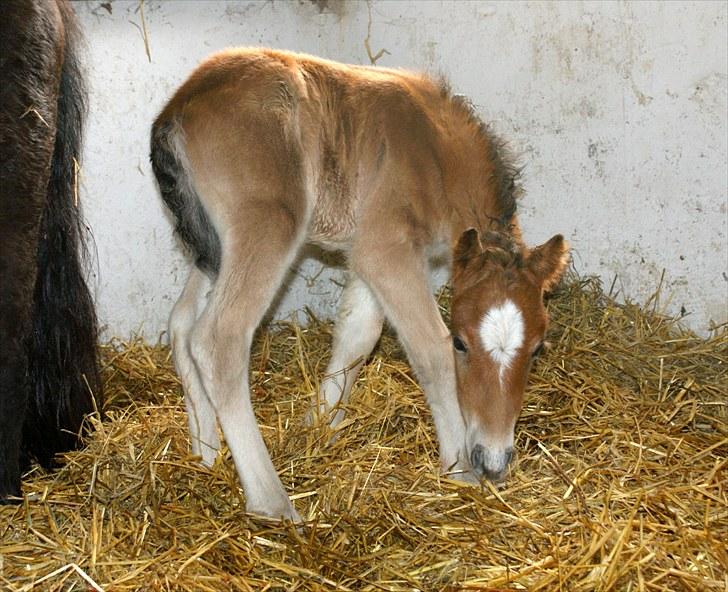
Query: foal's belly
{"x": 333, "y": 220}
{"x": 330, "y": 236}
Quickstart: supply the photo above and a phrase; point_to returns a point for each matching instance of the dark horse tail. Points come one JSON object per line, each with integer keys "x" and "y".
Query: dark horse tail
{"x": 63, "y": 371}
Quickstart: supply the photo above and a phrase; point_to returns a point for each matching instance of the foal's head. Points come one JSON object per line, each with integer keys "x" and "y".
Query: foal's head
{"x": 498, "y": 326}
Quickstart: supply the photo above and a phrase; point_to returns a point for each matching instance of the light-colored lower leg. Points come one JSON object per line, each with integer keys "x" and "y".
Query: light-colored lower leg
{"x": 264, "y": 491}
{"x": 433, "y": 363}
{"x": 204, "y": 438}
{"x": 437, "y": 378}
{"x": 357, "y": 330}
{"x": 221, "y": 349}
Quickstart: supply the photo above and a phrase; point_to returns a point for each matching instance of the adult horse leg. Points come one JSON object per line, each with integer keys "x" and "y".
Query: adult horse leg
{"x": 204, "y": 439}
{"x": 358, "y": 327}
{"x": 18, "y": 269}
{"x": 29, "y": 80}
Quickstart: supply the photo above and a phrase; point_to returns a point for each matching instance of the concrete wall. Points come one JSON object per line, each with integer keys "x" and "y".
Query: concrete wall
{"x": 618, "y": 111}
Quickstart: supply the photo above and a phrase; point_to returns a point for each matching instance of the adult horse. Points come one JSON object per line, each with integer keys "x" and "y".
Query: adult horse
{"x": 48, "y": 357}
{"x": 260, "y": 151}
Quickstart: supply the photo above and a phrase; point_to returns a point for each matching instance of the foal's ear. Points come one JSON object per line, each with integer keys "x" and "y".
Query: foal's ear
{"x": 549, "y": 261}
{"x": 468, "y": 246}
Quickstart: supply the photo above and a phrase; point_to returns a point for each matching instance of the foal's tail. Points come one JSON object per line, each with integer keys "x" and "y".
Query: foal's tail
{"x": 171, "y": 168}
{"x": 63, "y": 357}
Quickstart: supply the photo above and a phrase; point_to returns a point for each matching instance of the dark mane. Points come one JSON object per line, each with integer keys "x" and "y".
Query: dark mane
{"x": 500, "y": 247}
{"x": 506, "y": 175}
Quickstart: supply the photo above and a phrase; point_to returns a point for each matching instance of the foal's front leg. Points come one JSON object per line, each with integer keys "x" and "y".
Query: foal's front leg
{"x": 396, "y": 274}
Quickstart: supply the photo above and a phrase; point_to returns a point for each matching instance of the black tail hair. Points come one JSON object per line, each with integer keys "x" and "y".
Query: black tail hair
{"x": 193, "y": 224}
{"x": 63, "y": 357}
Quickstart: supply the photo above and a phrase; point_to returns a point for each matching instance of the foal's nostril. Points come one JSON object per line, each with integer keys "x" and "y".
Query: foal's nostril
{"x": 477, "y": 457}
{"x": 509, "y": 456}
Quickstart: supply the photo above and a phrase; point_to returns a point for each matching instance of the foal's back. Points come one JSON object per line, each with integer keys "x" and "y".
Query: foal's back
{"x": 333, "y": 136}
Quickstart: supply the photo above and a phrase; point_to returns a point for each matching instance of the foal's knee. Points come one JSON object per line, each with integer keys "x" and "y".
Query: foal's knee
{"x": 434, "y": 367}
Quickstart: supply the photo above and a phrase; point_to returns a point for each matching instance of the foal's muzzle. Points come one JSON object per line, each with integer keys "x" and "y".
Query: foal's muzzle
{"x": 491, "y": 464}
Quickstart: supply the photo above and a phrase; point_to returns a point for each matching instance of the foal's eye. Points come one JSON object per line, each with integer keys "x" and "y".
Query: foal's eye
{"x": 537, "y": 352}
{"x": 459, "y": 344}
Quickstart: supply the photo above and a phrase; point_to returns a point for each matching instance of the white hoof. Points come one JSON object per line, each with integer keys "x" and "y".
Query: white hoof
{"x": 461, "y": 473}
{"x": 283, "y": 511}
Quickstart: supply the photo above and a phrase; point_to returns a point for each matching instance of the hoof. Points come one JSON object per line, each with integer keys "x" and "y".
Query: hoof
{"x": 461, "y": 474}
{"x": 10, "y": 500}
{"x": 280, "y": 513}
{"x": 464, "y": 477}
{"x": 318, "y": 416}
{"x": 10, "y": 494}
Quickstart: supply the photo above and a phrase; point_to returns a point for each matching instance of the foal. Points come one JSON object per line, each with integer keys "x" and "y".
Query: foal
{"x": 261, "y": 151}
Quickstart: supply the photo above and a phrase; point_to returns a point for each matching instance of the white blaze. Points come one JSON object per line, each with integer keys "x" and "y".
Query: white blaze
{"x": 501, "y": 332}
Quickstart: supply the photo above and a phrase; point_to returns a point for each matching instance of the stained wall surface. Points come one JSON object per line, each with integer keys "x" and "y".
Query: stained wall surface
{"x": 617, "y": 110}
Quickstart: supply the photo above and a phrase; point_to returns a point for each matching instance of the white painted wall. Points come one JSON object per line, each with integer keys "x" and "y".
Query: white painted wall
{"x": 617, "y": 109}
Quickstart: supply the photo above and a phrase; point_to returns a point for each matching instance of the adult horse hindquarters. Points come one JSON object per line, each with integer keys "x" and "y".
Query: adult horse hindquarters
{"x": 48, "y": 365}
{"x": 261, "y": 151}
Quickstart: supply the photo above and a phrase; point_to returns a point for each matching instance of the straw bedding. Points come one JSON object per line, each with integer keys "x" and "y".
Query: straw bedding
{"x": 620, "y": 482}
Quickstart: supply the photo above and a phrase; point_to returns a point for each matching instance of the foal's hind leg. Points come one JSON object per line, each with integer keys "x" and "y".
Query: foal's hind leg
{"x": 257, "y": 252}
{"x": 358, "y": 328}
{"x": 200, "y": 412}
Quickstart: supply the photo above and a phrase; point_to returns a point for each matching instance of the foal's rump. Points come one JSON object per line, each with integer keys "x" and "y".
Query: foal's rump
{"x": 227, "y": 140}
